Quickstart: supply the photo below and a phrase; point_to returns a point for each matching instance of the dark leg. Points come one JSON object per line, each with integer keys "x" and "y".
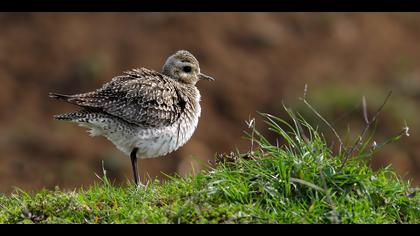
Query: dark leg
{"x": 133, "y": 157}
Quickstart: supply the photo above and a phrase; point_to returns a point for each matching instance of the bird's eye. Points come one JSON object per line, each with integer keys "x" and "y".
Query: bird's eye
{"x": 186, "y": 69}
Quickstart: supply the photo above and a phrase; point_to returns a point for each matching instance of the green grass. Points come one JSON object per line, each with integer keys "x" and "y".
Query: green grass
{"x": 302, "y": 181}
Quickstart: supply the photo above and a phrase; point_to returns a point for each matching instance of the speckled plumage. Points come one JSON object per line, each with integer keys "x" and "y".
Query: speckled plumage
{"x": 142, "y": 109}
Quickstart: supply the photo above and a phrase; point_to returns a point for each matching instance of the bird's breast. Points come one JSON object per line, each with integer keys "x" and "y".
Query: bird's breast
{"x": 161, "y": 141}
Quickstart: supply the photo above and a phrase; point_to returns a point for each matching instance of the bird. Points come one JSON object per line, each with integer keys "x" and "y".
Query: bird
{"x": 144, "y": 113}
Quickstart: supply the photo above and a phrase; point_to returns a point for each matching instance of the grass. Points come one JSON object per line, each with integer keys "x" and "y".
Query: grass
{"x": 301, "y": 181}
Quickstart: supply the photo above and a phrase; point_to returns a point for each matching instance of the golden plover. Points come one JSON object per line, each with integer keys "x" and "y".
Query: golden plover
{"x": 144, "y": 113}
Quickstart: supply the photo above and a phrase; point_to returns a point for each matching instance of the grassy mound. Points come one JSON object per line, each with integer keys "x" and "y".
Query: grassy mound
{"x": 302, "y": 181}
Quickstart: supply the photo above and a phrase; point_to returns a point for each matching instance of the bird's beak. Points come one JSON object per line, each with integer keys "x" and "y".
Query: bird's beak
{"x": 205, "y": 77}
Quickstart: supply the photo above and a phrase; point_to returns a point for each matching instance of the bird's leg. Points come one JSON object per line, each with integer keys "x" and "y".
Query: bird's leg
{"x": 133, "y": 157}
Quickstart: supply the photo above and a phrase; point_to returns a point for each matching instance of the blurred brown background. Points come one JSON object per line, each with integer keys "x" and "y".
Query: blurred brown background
{"x": 258, "y": 59}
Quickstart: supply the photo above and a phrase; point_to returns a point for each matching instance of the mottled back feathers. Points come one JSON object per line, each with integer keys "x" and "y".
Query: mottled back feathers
{"x": 141, "y": 96}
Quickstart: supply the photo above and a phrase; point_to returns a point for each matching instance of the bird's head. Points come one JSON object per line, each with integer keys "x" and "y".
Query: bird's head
{"x": 184, "y": 67}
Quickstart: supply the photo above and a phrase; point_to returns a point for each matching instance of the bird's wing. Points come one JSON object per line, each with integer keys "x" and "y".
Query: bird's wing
{"x": 140, "y": 96}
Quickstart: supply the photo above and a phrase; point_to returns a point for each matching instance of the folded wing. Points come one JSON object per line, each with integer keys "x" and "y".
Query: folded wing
{"x": 141, "y": 96}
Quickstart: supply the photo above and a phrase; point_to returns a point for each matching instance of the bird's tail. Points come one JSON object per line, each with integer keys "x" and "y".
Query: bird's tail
{"x": 79, "y": 116}
{"x": 73, "y": 116}
{"x": 85, "y": 119}
{"x": 60, "y": 97}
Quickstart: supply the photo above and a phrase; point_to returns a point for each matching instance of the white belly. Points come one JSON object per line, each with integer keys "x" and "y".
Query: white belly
{"x": 152, "y": 142}
{"x": 165, "y": 141}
